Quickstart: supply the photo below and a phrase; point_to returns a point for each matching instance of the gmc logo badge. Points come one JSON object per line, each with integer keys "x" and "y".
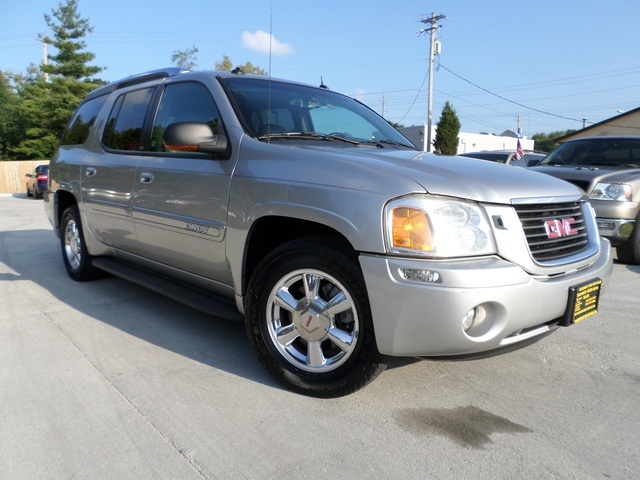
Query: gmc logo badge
{"x": 560, "y": 228}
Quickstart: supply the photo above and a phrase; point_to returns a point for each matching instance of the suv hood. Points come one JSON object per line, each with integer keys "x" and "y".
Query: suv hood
{"x": 486, "y": 181}
{"x": 395, "y": 172}
{"x": 461, "y": 177}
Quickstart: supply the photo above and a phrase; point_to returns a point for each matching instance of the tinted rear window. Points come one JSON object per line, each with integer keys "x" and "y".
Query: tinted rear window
{"x": 80, "y": 125}
{"x": 124, "y": 127}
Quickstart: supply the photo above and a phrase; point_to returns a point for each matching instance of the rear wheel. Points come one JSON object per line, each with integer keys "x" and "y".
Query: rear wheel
{"x": 74, "y": 250}
{"x": 309, "y": 320}
{"x": 629, "y": 252}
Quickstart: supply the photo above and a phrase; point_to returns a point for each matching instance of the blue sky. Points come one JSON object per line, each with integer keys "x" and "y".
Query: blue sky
{"x": 551, "y": 62}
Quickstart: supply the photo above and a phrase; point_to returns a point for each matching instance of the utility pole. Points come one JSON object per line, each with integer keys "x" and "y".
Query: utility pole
{"x": 432, "y": 29}
{"x": 383, "y": 103}
{"x": 45, "y": 60}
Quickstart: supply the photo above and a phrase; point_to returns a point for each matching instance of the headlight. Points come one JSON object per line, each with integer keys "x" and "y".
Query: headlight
{"x": 437, "y": 227}
{"x": 621, "y": 192}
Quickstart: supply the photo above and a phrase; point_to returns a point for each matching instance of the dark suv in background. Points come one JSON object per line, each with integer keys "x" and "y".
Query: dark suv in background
{"x": 608, "y": 170}
{"x": 529, "y": 159}
{"x": 37, "y": 181}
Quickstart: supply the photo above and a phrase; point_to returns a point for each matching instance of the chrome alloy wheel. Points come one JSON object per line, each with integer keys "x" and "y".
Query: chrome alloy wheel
{"x": 312, "y": 320}
{"x": 72, "y": 244}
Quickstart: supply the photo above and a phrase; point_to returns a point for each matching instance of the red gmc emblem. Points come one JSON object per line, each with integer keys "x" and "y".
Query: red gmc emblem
{"x": 308, "y": 321}
{"x": 560, "y": 228}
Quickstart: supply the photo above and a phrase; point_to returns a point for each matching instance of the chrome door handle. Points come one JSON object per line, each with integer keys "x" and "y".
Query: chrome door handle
{"x": 146, "y": 177}
{"x": 90, "y": 172}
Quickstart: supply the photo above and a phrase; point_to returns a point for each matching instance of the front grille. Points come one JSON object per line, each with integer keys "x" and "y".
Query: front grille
{"x": 550, "y": 232}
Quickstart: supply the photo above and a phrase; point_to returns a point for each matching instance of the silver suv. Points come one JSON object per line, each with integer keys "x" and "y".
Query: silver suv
{"x": 305, "y": 213}
{"x": 608, "y": 170}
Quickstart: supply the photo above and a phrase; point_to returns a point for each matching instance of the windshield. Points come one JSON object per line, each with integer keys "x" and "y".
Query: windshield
{"x": 273, "y": 110}
{"x": 493, "y": 157}
{"x": 603, "y": 151}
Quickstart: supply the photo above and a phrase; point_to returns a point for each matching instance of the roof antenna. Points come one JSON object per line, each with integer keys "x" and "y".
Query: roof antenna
{"x": 322, "y": 85}
{"x": 269, "y": 81}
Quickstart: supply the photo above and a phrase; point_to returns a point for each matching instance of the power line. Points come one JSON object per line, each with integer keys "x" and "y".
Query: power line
{"x": 506, "y": 99}
{"x": 415, "y": 98}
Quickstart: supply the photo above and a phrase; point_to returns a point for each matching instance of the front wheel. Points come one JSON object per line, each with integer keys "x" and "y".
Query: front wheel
{"x": 309, "y": 320}
{"x": 74, "y": 250}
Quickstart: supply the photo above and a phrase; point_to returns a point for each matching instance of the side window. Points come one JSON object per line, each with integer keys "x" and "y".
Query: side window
{"x": 78, "y": 130}
{"x": 184, "y": 102}
{"x": 124, "y": 127}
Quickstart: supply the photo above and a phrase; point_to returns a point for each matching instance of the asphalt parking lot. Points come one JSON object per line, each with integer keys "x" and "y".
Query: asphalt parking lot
{"x": 108, "y": 380}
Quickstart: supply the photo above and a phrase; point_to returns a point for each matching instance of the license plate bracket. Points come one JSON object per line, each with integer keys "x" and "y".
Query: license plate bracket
{"x": 583, "y": 302}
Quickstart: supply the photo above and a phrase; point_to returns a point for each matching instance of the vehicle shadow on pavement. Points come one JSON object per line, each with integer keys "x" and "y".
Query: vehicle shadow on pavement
{"x": 633, "y": 268}
{"x": 33, "y": 256}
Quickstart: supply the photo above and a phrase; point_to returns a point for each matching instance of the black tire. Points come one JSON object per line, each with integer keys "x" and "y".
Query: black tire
{"x": 629, "y": 251}
{"x": 29, "y": 194}
{"x": 76, "y": 258}
{"x": 311, "y": 295}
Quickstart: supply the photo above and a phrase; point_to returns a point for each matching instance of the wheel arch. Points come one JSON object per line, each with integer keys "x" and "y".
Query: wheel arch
{"x": 269, "y": 232}
{"x": 63, "y": 199}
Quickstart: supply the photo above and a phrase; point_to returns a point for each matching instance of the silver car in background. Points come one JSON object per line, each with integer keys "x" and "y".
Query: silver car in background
{"x": 607, "y": 169}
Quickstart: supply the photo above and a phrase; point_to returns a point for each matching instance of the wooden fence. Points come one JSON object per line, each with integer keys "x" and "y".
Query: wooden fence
{"x": 12, "y": 174}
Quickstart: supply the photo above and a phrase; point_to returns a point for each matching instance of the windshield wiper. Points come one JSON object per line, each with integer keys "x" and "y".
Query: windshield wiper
{"x": 392, "y": 143}
{"x": 309, "y": 136}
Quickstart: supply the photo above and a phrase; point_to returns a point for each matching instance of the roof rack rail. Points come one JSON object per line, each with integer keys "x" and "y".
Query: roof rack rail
{"x": 135, "y": 79}
{"x": 147, "y": 76}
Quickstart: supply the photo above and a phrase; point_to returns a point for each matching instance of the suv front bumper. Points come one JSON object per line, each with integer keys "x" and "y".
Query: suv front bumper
{"x": 615, "y": 220}
{"x": 615, "y": 229}
{"x": 425, "y": 317}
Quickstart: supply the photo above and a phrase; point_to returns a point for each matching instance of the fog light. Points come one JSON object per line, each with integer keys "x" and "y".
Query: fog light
{"x": 467, "y": 321}
{"x": 478, "y": 320}
{"x": 626, "y": 229}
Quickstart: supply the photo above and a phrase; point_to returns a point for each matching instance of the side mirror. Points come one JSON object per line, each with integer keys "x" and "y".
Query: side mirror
{"x": 194, "y": 137}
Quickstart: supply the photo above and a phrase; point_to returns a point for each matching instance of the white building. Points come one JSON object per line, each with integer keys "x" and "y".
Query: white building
{"x": 470, "y": 142}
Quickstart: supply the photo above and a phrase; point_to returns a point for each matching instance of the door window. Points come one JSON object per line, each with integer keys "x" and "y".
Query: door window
{"x": 184, "y": 102}
{"x": 124, "y": 127}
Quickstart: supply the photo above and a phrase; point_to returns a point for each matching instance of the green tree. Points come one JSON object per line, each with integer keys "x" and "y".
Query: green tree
{"x": 447, "y": 130}
{"x": 69, "y": 28}
{"x": 545, "y": 142}
{"x": 226, "y": 65}
{"x": 8, "y": 120}
{"x": 185, "y": 59}
{"x": 45, "y": 106}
